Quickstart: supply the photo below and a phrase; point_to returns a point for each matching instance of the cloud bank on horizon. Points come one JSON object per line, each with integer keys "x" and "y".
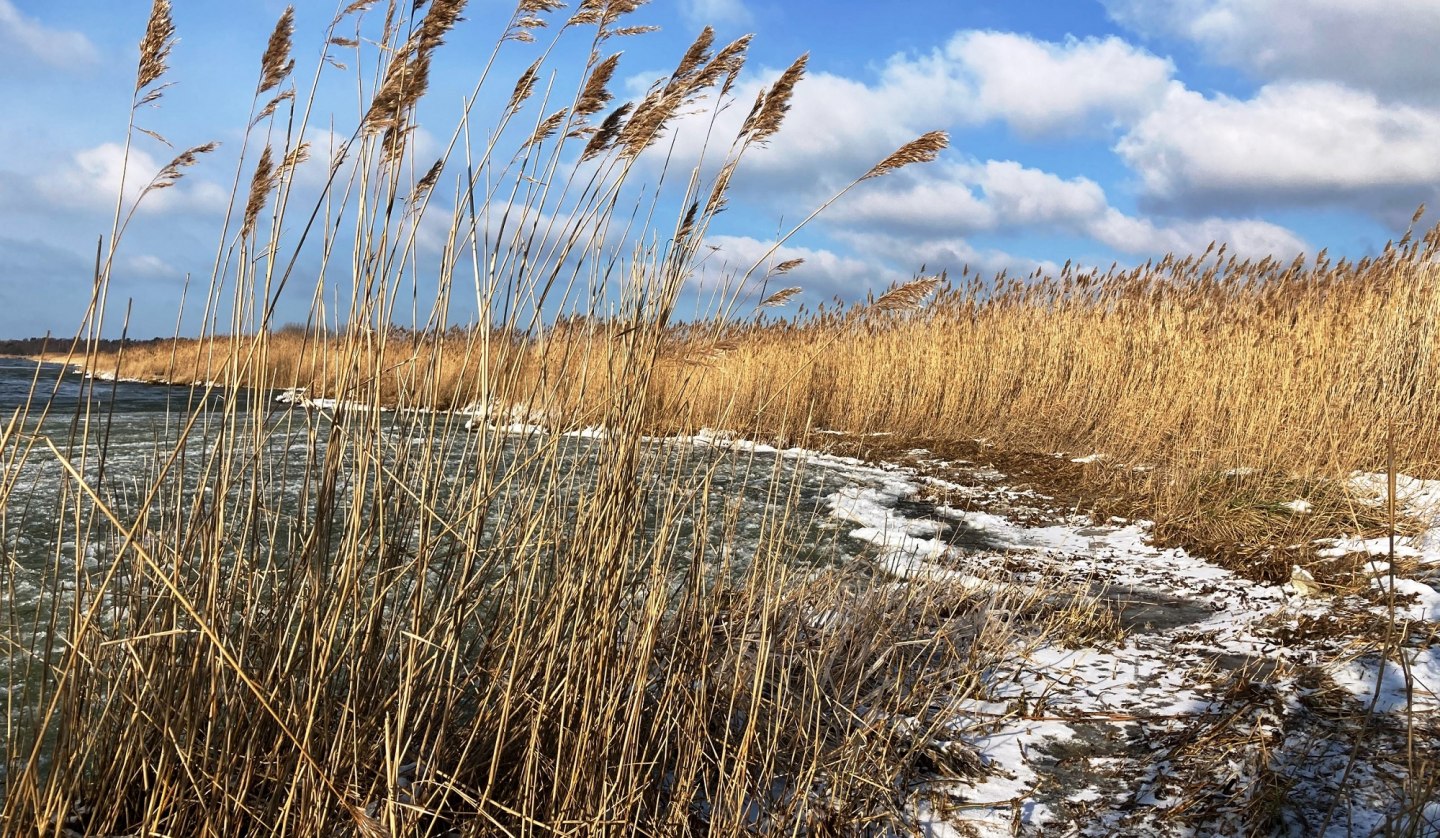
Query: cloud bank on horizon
{"x": 1115, "y": 133}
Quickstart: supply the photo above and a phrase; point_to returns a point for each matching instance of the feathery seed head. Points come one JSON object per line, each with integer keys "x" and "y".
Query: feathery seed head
{"x": 781, "y": 297}
{"x": 547, "y": 127}
{"x": 524, "y": 86}
{"x": 596, "y": 95}
{"x": 276, "y": 63}
{"x": 438, "y": 21}
{"x": 627, "y": 31}
{"x": 426, "y": 183}
{"x": 271, "y": 105}
{"x": 776, "y": 104}
{"x": 173, "y": 171}
{"x": 727, "y": 63}
{"x": 922, "y": 149}
{"x": 260, "y": 185}
{"x": 697, "y": 54}
{"x": 907, "y": 296}
{"x": 155, "y": 47}
{"x": 786, "y": 267}
{"x": 607, "y": 132}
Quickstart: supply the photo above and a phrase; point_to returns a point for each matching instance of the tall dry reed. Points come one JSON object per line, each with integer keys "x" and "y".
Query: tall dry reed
{"x": 287, "y": 623}
{"x": 1179, "y": 371}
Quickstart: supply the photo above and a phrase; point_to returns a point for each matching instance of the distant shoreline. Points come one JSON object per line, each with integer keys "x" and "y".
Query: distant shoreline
{"x": 51, "y": 348}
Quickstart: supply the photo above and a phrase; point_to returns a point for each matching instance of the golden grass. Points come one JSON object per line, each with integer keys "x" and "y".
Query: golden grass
{"x": 1217, "y": 389}
{"x": 288, "y": 625}
{"x": 1237, "y": 366}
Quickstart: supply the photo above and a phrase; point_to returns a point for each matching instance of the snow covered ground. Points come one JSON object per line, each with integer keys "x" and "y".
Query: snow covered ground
{"x": 1228, "y": 708}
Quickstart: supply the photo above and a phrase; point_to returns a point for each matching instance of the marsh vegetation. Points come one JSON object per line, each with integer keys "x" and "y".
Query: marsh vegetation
{"x": 506, "y": 578}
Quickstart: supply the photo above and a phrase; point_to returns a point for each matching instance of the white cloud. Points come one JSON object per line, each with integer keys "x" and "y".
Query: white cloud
{"x": 951, "y": 254}
{"x": 968, "y": 198}
{"x": 1244, "y": 237}
{"x": 838, "y": 127}
{"x": 93, "y": 178}
{"x": 1292, "y": 142}
{"x": 1023, "y": 196}
{"x": 1384, "y": 45}
{"x": 24, "y": 37}
{"x": 823, "y": 274}
{"x": 954, "y": 201}
{"x": 718, "y": 13}
{"x": 1045, "y": 88}
{"x": 148, "y": 266}
{"x": 946, "y": 203}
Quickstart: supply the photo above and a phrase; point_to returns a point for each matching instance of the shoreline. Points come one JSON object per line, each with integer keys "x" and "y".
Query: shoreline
{"x": 1086, "y": 734}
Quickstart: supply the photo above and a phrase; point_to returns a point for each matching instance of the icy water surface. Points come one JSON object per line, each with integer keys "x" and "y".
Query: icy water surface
{"x": 126, "y": 438}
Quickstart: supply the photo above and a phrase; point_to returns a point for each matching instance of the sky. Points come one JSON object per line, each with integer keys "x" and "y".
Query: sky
{"x": 1098, "y": 132}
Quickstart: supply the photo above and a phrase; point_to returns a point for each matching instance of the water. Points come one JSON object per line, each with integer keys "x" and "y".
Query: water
{"x": 151, "y": 455}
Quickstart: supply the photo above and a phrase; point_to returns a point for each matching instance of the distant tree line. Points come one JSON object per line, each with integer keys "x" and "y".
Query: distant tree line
{"x": 50, "y": 345}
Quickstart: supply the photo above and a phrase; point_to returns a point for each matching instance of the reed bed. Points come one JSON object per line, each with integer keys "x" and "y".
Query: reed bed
{"x": 282, "y": 623}
{"x": 1302, "y": 367}
{"x": 1211, "y": 386}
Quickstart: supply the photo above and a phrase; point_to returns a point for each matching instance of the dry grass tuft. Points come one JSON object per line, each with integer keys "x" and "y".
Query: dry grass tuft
{"x": 923, "y": 149}
{"x": 276, "y": 63}
{"x": 769, "y": 111}
{"x": 155, "y": 49}
{"x": 781, "y": 297}
{"x": 339, "y": 620}
{"x": 907, "y": 296}
{"x": 261, "y": 183}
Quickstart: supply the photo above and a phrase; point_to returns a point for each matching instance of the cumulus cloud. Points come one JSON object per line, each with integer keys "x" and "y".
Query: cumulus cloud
{"x": 94, "y": 176}
{"x": 1290, "y": 143}
{"x": 969, "y": 198}
{"x": 824, "y": 273}
{"x": 25, "y": 38}
{"x": 1004, "y": 197}
{"x": 147, "y": 266}
{"x": 838, "y": 127}
{"x": 1382, "y": 45}
{"x": 1244, "y": 237}
{"x": 1046, "y": 88}
{"x": 951, "y": 254}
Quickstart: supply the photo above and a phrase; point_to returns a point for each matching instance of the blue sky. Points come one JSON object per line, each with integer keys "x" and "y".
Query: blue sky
{"x": 1099, "y": 131}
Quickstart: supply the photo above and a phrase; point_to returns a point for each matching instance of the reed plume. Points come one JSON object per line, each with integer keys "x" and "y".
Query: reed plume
{"x": 605, "y": 136}
{"x": 769, "y": 112}
{"x": 923, "y": 149}
{"x": 155, "y": 49}
{"x": 174, "y": 170}
{"x": 907, "y": 296}
{"x": 276, "y": 63}
{"x": 596, "y": 94}
{"x": 547, "y": 127}
{"x": 426, "y": 183}
{"x": 261, "y": 182}
{"x": 781, "y": 297}
{"x": 524, "y": 87}
{"x": 786, "y": 267}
